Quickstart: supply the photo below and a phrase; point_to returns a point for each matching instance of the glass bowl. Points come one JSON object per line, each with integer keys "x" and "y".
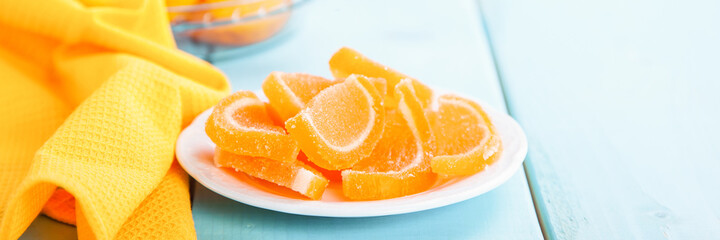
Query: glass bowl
{"x": 211, "y": 28}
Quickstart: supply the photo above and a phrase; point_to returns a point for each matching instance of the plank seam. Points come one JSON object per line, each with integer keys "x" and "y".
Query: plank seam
{"x": 503, "y": 90}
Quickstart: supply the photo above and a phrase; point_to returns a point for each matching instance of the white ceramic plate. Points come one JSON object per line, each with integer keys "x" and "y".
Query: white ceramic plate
{"x": 195, "y": 151}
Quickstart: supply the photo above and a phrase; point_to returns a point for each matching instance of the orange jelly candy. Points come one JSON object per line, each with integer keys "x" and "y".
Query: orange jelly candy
{"x": 341, "y": 125}
{"x": 468, "y": 141}
{"x": 379, "y": 132}
{"x": 400, "y": 163}
{"x": 332, "y": 175}
{"x": 290, "y": 92}
{"x": 347, "y": 61}
{"x": 241, "y": 124}
{"x": 294, "y": 174}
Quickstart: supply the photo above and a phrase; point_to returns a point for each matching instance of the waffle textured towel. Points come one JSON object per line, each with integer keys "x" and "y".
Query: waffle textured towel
{"x": 92, "y": 97}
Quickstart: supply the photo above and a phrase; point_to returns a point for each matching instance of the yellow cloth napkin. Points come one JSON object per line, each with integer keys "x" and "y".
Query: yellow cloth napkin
{"x": 92, "y": 97}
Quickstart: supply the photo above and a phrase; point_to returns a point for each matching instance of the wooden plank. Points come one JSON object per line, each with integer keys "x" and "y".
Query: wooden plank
{"x": 442, "y": 44}
{"x": 620, "y": 103}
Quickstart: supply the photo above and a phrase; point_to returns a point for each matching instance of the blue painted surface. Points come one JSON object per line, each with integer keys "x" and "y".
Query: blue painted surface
{"x": 620, "y": 103}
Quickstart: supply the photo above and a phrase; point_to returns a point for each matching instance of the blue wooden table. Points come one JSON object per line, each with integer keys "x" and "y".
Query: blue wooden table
{"x": 620, "y": 101}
